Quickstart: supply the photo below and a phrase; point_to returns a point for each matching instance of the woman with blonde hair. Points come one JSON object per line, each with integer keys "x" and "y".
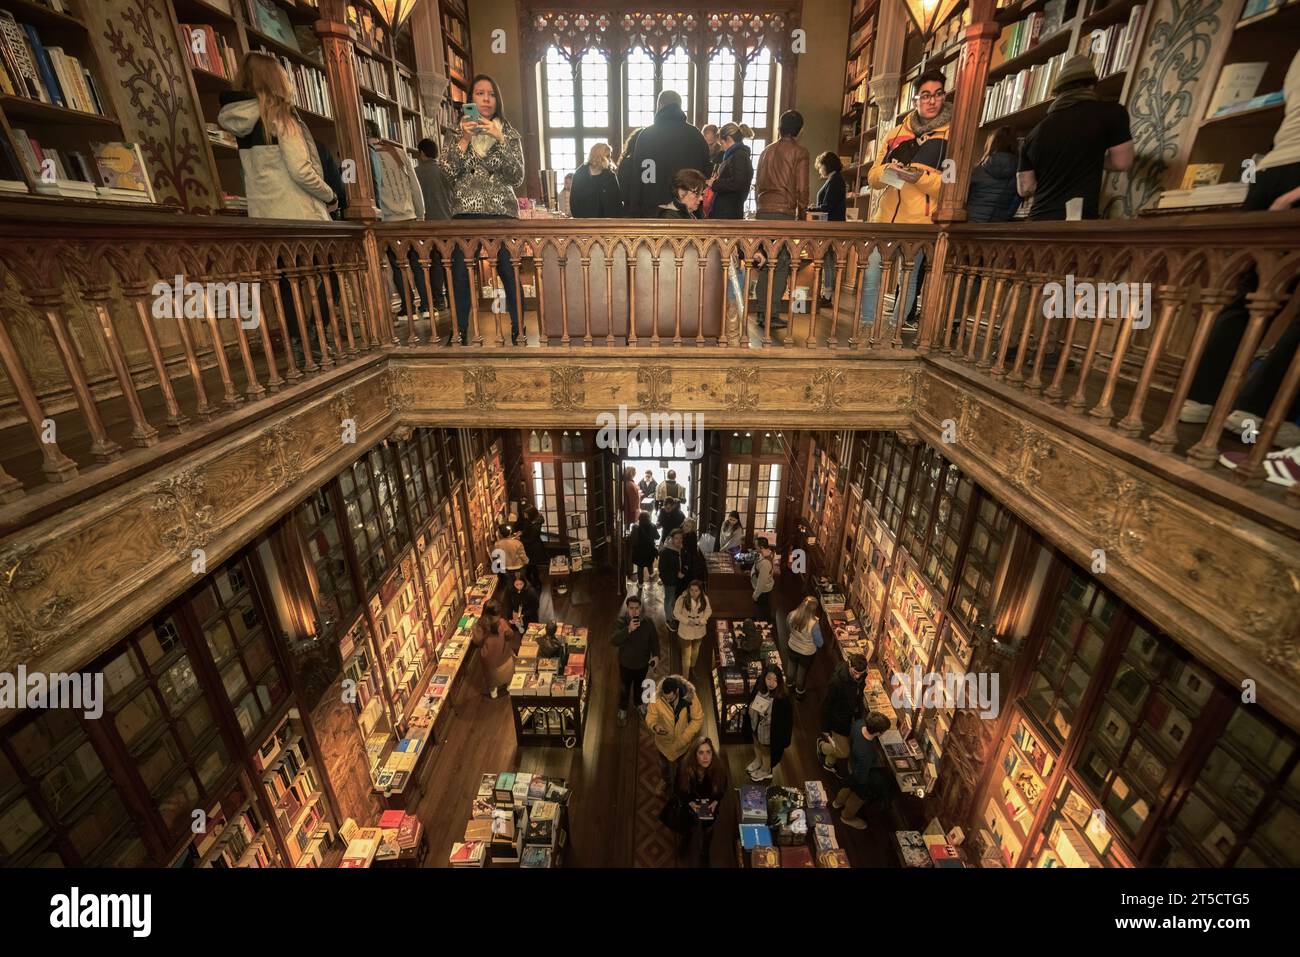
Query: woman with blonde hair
{"x": 283, "y": 176}
{"x": 595, "y": 193}
{"x": 735, "y": 173}
{"x": 803, "y": 644}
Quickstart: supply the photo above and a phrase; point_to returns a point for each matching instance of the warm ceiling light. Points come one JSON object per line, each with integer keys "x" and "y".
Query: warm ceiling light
{"x": 928, "y": 14}
{"x": 395, "y": 12}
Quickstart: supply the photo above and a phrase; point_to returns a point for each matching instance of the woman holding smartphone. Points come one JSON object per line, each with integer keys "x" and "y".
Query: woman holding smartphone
{"x": 484, "y": 166}
{"x": 701, "y": 784}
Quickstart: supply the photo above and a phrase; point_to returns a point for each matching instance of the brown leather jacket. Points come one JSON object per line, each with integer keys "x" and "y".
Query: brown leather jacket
{"x": 783, "y": 178}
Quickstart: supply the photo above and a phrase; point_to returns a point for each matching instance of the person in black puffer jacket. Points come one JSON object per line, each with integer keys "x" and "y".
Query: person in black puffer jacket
{"x": 993, "y": 197}
{"x": 735, "y": 173}
{"x": 595, "y": 193}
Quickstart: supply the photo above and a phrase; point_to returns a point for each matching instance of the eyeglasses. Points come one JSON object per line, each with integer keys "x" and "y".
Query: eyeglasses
{"x": 931, "y": 97}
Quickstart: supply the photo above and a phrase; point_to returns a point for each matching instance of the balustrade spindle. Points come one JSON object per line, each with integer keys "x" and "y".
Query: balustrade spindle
{"x": 995, "y": 313}
{"x": 607, "y": 255}
{"x": 309, "y": 362}
{"x": 1008, "y": 329}
{"x": 563, "y": 256}
{"x": 887, "y": 268}
{"x": 818, "y": 267}
{"x": 1102, "y": 410}
{"x": 1035, "y": 294}
{"x": 1261, "y": 307}
{"x": 959, "y": 284}
{"x": 585, "y": 264}
{"x": 56, "y": 466}
{"x": 677, "y": 309}
{"x": 788, "y": 293}
{"x": 517, "y": 262}
{"x": 1172, "y": 302}
{"x": 230, "y": 398}
{"x": 273, "y": 283}
{"x": 176, "y": 420}
{"x": 654, "y": 300}
{"x": 986, "y": 282}
{"x": 253, "y": 389}
{"x": 1055, "y": 392}
{"x": 841, "y": 267}
{"x": 143, "y": 434}
{"x": 543, "y": 339}
{"x": 700, "y": 262}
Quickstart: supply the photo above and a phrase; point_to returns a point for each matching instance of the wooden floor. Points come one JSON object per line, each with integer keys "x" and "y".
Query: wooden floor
{"x": 604, "y": 773}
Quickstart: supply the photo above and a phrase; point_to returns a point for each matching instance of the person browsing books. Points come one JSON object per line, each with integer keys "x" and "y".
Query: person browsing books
{"x": 864, "y": 783}
{"x": 771, "y": 722}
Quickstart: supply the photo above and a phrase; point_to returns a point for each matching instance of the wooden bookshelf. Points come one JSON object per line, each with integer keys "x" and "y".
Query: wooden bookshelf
{"x": 458, "y": 62}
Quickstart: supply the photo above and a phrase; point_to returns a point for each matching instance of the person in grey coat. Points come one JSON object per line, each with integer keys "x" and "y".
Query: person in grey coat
{"x": 437, "y": 206}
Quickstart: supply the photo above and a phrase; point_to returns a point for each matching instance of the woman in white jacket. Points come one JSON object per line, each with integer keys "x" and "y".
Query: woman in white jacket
{"x": 801, "y": 643}
{"x": 282, "y": 170}
{"x": 692, "y": 611}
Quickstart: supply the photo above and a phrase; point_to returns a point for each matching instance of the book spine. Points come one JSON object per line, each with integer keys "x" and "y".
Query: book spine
{"x": 50, "y": 81}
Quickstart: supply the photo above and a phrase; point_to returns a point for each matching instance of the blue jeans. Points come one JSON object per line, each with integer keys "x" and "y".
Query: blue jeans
{"x": 460, "y": 286}
{"x": 871, "y": 287}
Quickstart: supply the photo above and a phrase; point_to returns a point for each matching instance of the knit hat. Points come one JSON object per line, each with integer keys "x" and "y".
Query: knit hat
{"x": 1078, "y": 67}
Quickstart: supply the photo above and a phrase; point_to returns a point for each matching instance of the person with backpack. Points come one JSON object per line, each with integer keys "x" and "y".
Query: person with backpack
{"x": 642, "y": 546}
{"x": 802, "y": 644}
{"x": 511, "y": 553}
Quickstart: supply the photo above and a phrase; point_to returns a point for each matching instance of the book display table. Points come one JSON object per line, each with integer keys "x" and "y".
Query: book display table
{"x": 549, "y": 695}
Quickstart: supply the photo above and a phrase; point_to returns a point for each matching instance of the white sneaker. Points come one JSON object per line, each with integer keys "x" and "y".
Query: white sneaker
{"x": 759, "y": 778}
{"x": 1287, "y": 435}
{"x": 752, "y": 767}
{"x": 1237, "y": 421}
{"x": 1195, "y": 412}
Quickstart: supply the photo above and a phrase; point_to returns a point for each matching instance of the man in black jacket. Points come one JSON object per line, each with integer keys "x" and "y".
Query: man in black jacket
{"x": 672, "y": 572}
{"x": 662, "y": 148}
{"x": 843, "y": 705}
{"x": 637, "y": 641}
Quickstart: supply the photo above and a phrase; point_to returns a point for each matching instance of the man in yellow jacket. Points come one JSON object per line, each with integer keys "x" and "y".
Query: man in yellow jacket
{"x": 909, "y": 169}
{"x": 675, "y": 718}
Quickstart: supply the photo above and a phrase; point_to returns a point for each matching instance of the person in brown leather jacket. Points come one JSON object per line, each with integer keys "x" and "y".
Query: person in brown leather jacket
{"x": 782, "y": 193}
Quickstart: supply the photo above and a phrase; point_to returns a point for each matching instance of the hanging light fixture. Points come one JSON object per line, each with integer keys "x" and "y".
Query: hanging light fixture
{"x": 928, "y": 14}
{"x": 395, "y": 12}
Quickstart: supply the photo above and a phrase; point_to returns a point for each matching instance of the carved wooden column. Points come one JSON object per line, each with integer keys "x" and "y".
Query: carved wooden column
{"x": 340, "y": 72}
{"x": 967, "y": 104}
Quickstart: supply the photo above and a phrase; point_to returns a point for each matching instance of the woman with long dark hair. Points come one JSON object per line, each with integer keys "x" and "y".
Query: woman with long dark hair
{"x": 701, "y": 785}
{"x": 491, "y": 636}
{"x": 522, "y": 601}
{"x": 485, "y": 164}
{"x": 771, "y": 722}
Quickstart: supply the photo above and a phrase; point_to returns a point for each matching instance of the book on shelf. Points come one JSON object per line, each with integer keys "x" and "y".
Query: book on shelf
{"x": 208, "y": 50}
{"x": 268, "y": 17}
{"x": 1254, "y": 8}
{"x": 1201, "y": 174}
{"x": 1237, "y": 83}
{"x": 1221, "y": 194}
{"x": 121, "y": 166}
{"x": 1276, "y": 98}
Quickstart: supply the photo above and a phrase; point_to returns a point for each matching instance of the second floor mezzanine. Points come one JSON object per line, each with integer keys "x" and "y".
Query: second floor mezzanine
{"x": 145, "y": 414}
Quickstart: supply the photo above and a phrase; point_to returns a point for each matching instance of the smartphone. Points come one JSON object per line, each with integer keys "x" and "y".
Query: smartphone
{"x": 470, "y": 111}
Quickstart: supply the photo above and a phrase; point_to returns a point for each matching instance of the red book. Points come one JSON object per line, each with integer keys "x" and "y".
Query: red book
{"x": 797, "y": 855}
{"x": 391, "y": 819}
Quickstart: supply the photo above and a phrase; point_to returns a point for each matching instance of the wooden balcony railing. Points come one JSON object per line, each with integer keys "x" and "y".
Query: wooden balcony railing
{"x": 1112, "y": 321}
{"x": 629, "y": 283}
{"x": 99, "y": 368}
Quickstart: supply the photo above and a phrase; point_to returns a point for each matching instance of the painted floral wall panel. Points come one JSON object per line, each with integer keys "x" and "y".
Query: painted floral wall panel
{"x": 143, "y": 65}
{"x": 1174, "y": 61}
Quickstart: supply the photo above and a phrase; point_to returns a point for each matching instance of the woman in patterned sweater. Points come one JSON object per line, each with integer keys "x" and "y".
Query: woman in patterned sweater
{"x": 484, "y": 166}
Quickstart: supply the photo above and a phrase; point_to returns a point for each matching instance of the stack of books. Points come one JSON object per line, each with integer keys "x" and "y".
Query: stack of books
{"x": 34, "y": 71}
{"x": 516, "y": 818}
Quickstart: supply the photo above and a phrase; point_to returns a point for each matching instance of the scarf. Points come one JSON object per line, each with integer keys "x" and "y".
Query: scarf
{"x": 920, "y": 127}
{"x": 1073, "y": 98}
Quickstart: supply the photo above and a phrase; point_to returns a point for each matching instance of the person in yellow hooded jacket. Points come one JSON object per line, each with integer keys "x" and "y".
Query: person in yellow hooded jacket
{"x": 909, "y": 170}
{"x": 675, "y": 718}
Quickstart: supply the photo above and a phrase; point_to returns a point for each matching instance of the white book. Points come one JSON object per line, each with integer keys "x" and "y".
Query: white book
{"x": 1237, "y": 82}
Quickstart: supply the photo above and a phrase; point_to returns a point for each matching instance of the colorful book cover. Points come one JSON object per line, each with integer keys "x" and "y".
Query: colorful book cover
{"x": 765, "y": 857}
{"x": 755, "y": 835}
{"x": 836, "y": 857}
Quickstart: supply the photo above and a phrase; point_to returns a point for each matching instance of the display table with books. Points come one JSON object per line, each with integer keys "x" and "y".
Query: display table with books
{"x": 549, "y": 695}
{"x": 787, "y": 827}
{"x": 738, "y": 657}
{"x": 935, "y": 847}
{"x": 398, "y": 840}
{"x": 517, "y": 819}
{"x": 731, "y": 593}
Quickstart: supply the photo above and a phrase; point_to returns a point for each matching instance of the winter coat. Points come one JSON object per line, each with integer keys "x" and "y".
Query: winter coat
{"x": 495, "y": 651}
{"x": 801, "y": 642}
{"x": 993, "y": 197}
{"x": 670, "y": 566}
{"x": 832, "y": 199}
{"x": 692, "y": 625}
{"x": 526, "y": 601}
{"x": 675, "y": 210}
{"x": 731, "y": 537}
{"x": 697, "y": 789}
{"x": 673, "y": 144}
{"x": 675, "y": 727}
{"x": 730, "y": 189}
{"x": 692, "y": 560}
{"x": 513, "y": 552}
{"x": 627, "y": 174}
{"x": 642, "y": 545}
{"x": 282, "y": 174}
{"x": 843, "y": 703}
{"x": 915, "y": 202}
{"x": 780, "y": 728}
{"x": 866, "y": 777}
{"x": 531, "y": 537}
{"x": 631, "y": 502}
{"x": 635, "y": 648}
{"x": 595, "y": 196}
{"x": 668, "y": 520}
{"x": 485, "y": 185}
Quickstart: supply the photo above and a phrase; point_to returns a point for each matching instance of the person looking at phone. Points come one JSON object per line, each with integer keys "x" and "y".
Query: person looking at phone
{"x": 485, "y": 163}
{"x": 674, "y": 718}
{"x": 909, "y": 173}
{"x": 701, "y": 783}
{"x": 637, "y": 640}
